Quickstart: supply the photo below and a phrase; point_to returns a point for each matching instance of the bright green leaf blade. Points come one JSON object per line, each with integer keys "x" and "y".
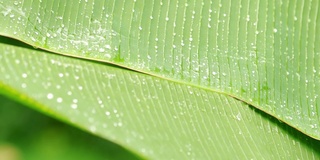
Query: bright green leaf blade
{"x": 155, "y": 118}
{"x": 263, "y": 52}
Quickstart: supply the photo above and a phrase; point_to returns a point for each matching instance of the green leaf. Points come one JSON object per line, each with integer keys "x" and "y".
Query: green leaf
{"x": 152, "y": 117}
{"x": 262, "y": 52}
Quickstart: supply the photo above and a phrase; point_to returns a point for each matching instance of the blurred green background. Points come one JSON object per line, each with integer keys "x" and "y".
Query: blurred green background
{"x": 26, "y": 134}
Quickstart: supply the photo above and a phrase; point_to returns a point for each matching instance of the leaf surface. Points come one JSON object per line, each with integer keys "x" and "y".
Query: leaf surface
{"x": 152, "y": 117}
{"x": 262, "y": 52}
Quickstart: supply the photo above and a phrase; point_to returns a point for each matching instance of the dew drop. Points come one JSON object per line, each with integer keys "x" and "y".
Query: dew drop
{"x": 23, "y": 85}
{"x": 108, "y": 46}
{"x": 101, "y": 49}
{"x": 275, "y": 30}
{"x": 24, "y": 75}
{"x": 59, "y": 100}
{"x": 238, "y": 116}
{"x": 74, "y": 106}
{"x": 93, "y": 128}
{"x": 50, "y": 96}
{"x": 60, "y": 74}
{"x": 248, "y": 18}
{"x": 107, "y": 55}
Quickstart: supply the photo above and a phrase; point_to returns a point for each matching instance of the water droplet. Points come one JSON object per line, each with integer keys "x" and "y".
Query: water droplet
{"x": 108, "y": 46}
{"x": 248, "y": 18}
{"x": 74, "y": 106}
{"x": 101, "y": 50}
{"x": 313, "y": 126}
{"x": 107, "y": 55}
{"x": 24, "y": 75}
{"x": 23, "y": 85}
{"x": 275, "y": 30}
{"x": 289, "y": 117}
{"x": 93, "y": 128}
{"x": 59, "y": 100}
{"x": 50, "y": 96}
{"x": 238, "y": 116}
